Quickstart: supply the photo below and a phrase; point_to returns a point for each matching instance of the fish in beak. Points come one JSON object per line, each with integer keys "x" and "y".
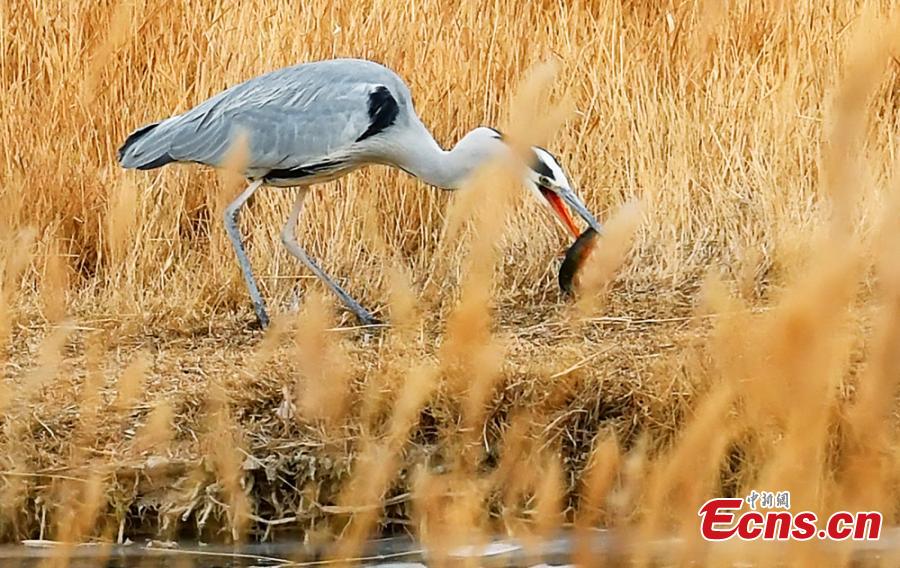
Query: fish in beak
{"x": 576, "y": 257}
{"x": 548, "y": 181}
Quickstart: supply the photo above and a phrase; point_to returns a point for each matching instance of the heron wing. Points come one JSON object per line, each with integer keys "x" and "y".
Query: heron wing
{"x": 292, "y": 118}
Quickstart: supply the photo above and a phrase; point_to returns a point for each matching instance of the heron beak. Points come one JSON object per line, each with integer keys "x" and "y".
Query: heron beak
{"x": 556, "y": 204}
{"x": 559, "y": 196}
{"x": 575, "y": 203}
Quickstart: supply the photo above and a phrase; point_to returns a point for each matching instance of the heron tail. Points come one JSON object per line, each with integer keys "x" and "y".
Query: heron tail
{"x": 144, "y": 151}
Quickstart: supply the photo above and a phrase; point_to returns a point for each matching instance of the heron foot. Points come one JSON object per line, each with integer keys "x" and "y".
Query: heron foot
{"x": 366, "y": 318}
{"x": 262, "y": 318}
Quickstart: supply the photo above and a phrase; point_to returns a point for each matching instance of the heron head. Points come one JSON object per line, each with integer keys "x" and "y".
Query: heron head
{"x": 545, "y": 177}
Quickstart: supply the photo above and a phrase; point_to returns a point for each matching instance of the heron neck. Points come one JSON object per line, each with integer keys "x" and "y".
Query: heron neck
{"x": 446, "y": 169}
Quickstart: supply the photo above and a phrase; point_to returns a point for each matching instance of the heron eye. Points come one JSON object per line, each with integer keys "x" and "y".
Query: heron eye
{"x": 545, "y": 182}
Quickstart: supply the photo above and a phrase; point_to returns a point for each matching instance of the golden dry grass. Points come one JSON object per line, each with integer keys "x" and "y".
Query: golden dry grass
{"x": 738, "y": 329}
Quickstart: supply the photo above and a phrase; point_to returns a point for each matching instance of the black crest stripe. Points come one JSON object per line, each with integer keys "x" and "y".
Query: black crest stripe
{"x": 383, "y": 111}
{"x": 540, "y": 167}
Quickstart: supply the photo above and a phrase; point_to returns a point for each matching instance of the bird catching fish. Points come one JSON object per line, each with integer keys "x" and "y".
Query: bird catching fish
{"x": 315, "y": 122}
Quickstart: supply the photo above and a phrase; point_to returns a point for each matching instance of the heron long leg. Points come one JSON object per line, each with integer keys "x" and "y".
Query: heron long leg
{"x": 290, "y": 242}
{"x": 234, "y": 234}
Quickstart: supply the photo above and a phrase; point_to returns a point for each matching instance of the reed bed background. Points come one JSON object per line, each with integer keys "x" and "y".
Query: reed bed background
{"x": 737, "y": 328}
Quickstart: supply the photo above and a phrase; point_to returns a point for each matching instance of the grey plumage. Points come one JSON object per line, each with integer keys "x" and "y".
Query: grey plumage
{"x": 293, "y": 118}
{"x": 315, "y": 122}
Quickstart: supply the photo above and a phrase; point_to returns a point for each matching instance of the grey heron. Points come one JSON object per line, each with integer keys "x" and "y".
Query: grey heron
{"x": 315, "y": 122}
